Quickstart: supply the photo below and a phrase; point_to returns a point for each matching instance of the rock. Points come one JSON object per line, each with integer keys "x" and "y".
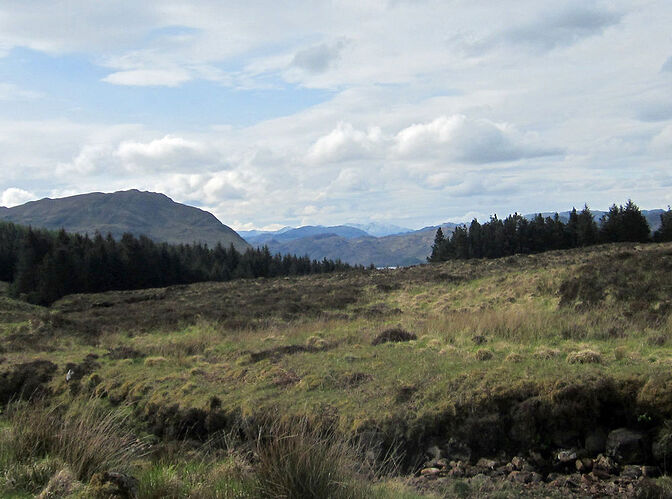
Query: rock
{"x": 599, "y": 474}
{"x": 536, "y": 477}
{"x": 62, "y": 484}
{"x": 650, "y": 471}
{"x": 631, "y": 472}
{"x": 437, "y": 463}
{"x": 520, "y": 477}
{"x": 584, "y": 465}
{"x": 433, "y": 452}
{"x": 112, "y": 483}
{"x": 596, "y": 442}
{"x": 627, "y": 446}
{"x": 488, "y": 464}
{"x": 430, "y": 472}
{"x": 517, "y": 463}
{"x": 566, "y": 456}
{"x": 605, "y": 463}
{"x": 456, "y": 469}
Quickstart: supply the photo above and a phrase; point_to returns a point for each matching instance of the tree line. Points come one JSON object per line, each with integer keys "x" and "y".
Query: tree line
{"x": 516, "y": 234}
{"x": 42, "y": 266}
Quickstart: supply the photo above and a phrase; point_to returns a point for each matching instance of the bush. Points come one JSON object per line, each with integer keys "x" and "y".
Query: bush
{"x": 296, "y": 461}
{"x": 396, "y": 334}
{"x": 86, "y": 436}
{"x": 584, "y": 357}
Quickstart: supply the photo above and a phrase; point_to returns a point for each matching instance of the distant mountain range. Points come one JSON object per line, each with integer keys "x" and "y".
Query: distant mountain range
{"x": 162, "y": 219}
{"x": 352, "y": 244}
{"x": 154, "y": 215}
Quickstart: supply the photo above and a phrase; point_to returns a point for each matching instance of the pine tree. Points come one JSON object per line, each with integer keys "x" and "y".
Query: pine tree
{"x": 437, "y": 248}
{"x": 664, "y": 232}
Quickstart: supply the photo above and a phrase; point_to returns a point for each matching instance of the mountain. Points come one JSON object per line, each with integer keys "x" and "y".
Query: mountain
{"x": 376, "y": 229}
{"x": 390, "y": 251}
{"x": 289, "y": 234}
{"x": 149, "y": 213}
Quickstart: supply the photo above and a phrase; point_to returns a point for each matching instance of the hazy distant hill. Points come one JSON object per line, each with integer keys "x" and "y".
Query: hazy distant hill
{"x": 390, "y": 251}
{"x": 152, "y": 214}
{"x": 290, "y": 234}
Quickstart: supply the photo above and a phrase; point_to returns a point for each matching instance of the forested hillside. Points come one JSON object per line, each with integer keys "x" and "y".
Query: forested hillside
{"x": 519, "y": 235}
{"x": 43, "y": 266}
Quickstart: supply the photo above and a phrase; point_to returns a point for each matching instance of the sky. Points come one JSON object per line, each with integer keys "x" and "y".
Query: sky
{"x": 411, "y": 112}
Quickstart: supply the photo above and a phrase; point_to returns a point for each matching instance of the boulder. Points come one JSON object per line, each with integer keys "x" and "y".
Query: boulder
{"x": 627, "y": 446}
{"x": 566, "y": 456}
{"x": 631, "y": 471}
{"x": 596, "y": 441}
{"x": 606, "y": 464}
{"x": 584, "y": 465}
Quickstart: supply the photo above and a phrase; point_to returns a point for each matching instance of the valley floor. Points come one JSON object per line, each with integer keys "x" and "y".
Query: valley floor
{"x": 461, "y": 379}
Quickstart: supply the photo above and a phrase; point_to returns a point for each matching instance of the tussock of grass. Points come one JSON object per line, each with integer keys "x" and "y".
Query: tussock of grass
{"x": 85, "y": 436}
{"x": 296, "y": 461}
{"x": 584, "y": 357}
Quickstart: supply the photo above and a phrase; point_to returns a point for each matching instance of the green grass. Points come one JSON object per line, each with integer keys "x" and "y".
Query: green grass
{"x": 187, "y": 346}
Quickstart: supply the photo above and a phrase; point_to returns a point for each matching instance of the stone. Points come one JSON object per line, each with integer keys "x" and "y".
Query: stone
{"x": 605, "y": 463}
{"x": 520, "y": 477}
{"x": 430, "y": 472}
{"x": 631, "y": 472}
{"x": 488, "y": 464}
{"x": 600, "y": 474}
{"x": 566, "y": 456}
{"x": 126, "y": 485}
{"x": 584, "y": 465}
{"x": 596, "y": 441}
{"x": 536, "y": 477}
{"x": 517, "y": 463}
{"x": 61, "y": 484}
{"x": 627, "y": 446}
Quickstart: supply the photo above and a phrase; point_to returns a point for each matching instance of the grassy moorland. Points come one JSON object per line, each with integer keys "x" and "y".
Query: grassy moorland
{"x": 340, "y": 385}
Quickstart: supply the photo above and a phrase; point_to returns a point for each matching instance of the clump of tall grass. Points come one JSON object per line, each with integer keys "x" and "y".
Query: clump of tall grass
{"x": 295, "y": 460}
{"x": 86, "y": 436}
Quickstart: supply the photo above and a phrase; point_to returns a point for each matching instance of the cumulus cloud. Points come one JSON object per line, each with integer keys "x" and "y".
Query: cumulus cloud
{"x": 167, "y": 153}
{"x": 345, "y": 143}
{"x": 469, "y": 140}
{"x": 15, "y": 196}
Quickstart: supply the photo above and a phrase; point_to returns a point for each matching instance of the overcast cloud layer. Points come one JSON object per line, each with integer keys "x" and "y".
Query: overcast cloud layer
{"x": 271, "y": 114}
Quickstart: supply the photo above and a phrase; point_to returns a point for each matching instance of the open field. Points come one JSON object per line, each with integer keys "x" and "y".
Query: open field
{"x": 520, "y": 356}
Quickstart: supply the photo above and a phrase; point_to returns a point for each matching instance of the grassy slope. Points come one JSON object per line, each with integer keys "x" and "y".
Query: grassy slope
{"x": 230, "y": 341}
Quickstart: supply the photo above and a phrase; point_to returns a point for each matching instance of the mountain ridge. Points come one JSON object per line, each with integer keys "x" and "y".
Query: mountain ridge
{"x": 152, "y": 214}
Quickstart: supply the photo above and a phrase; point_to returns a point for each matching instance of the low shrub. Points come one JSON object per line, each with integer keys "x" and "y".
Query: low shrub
{"x": 396, "y": 334}
{"x": 86, "y": 436}
{"x": 584, "y": 357}
{"x": 483, "y": 354}
{"x": 296, "y": 461}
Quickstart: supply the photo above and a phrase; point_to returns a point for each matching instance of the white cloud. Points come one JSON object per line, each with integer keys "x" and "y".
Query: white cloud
{"x": 345, "y": 143}
{"x": 166, "y": 153}
{"x": 15, "y": 196}
{"x": 463, "y": 139}
{"x": 149, "y": 77}
{"x": 11, "y": 92}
